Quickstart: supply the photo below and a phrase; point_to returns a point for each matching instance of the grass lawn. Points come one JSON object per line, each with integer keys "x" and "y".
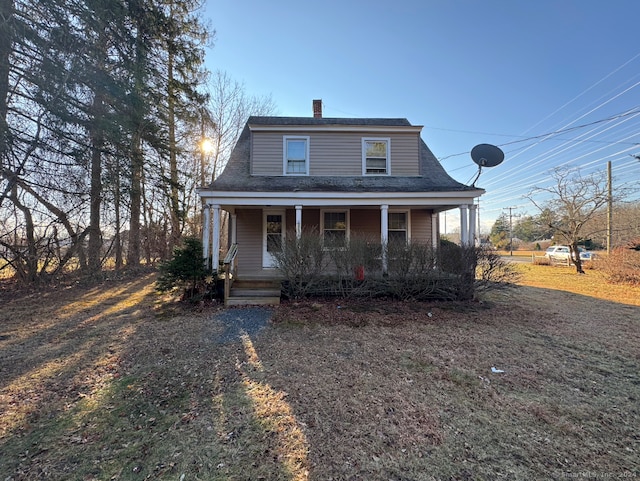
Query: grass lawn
{"x": 113, "y": 382}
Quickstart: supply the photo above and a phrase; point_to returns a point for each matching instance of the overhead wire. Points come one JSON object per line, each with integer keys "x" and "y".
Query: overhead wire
{"x": 528, "y": 181}
{"x": 567, "y": 127}
{"x": 548, "y": 134}
{"x": 591, "y": 87}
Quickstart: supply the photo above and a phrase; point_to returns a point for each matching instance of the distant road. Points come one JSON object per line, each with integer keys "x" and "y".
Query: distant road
{"x": 515, "y": 258}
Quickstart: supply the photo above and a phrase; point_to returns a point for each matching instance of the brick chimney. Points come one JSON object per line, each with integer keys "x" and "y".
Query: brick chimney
{"x": 317, "y": 109}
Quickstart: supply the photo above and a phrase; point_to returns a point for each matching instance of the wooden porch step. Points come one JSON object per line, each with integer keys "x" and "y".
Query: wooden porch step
{"x": 253, "y": 301}
{"x": 256, "y": 292}
{"x": 256, "y": 284}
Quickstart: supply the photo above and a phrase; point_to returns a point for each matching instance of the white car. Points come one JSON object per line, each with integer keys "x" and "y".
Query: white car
{"x": 563, "y": 254}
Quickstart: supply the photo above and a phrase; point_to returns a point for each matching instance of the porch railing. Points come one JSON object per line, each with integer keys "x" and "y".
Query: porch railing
{"x": 230, "y": 267}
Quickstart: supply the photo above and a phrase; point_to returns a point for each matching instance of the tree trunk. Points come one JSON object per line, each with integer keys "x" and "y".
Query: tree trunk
{"x": 174, "y": 200}
{"x": 6, "y": 34}
{"x": 96, "y": 135}
{"x": 29, "y": 259}
{"x": 137, "y": 156}
{"x": 116, "y": 206}
{"x": 575, "y": 257}
{"x": 133, "y": 252}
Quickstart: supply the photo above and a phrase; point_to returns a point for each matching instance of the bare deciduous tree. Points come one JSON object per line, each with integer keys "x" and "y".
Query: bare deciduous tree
{"x": 230, "y": 107}
{"x": 575, "y": 199}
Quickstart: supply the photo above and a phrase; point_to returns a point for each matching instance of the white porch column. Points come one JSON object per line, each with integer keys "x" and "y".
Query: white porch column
{"x": 298, "y": 222}
{"x": 464, "y": 230}
{"x": 234, "y": 228}
{"x": 473, "y": 209}
{"x": 434, "y": 230}
{"x": 206, "y": 220}
{"x": 384, "y": 234}
{"x": 215, "y": 244}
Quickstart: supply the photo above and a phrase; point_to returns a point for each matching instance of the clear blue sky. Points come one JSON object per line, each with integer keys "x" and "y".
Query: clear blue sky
{"x": 470, "y": 72}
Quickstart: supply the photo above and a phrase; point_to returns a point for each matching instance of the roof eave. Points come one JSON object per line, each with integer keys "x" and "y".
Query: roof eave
{"x": 310, "y": 199}
{"x": 416, "y": 129}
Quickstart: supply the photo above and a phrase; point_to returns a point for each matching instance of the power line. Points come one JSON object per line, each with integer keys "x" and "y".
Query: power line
{"x": 591, "y": 87}
{"x": 635, "y": 111}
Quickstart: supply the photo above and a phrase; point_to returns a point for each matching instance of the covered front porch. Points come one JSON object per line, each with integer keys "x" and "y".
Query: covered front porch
{"x": 255, "y": 232}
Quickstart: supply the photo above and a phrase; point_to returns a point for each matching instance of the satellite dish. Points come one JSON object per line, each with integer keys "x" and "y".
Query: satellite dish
{"x": 486, "y": 155}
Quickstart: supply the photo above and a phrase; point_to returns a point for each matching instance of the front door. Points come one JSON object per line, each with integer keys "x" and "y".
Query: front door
{"x": 273, "y": 236}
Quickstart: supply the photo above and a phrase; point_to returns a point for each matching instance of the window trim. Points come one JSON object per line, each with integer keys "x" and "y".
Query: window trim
{"x": 364, "y": 155}
{"x": 407, "y": 212}
{"x": 347, "y": 213}
{"x": 285, "y": 160}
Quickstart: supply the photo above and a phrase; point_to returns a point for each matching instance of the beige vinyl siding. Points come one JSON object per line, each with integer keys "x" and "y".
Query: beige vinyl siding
{"x": 266, "y": 153}
{"x": 333, "y": 153}
{"x": 311, "y": 221}
{"x": 421, "y": 226}
{"x": 365, "y": 222}
{"x": 249, "y": 236}
{"x": 290, "y": 223}
{"x": 404, "y": 155}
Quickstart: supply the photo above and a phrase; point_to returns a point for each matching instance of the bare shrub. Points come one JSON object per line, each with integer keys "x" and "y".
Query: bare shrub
{"x": 492, "y": 272}
{"x": 412, "y": 274}
{"x": 409, "y": 261}
{"x": 622, "y": 266}
{"x": 541, "y": 261}
{"x": 359, "y": 250}
{"x": 414, "y": 271}
{"x": 303, "y": 263}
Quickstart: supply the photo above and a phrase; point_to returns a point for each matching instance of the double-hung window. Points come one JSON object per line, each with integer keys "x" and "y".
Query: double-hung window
{"x": 334, "y": 228}
{"x": 398, "y": 231}
{"x": 296, "y": 155}
{"x": 376, "y": 153}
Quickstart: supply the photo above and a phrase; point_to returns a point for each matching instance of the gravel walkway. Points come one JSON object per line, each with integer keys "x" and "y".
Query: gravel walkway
{"x": 240, "y": 321}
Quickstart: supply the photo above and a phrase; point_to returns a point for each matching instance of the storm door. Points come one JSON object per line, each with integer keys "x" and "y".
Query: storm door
{"x": 273, "y": 236}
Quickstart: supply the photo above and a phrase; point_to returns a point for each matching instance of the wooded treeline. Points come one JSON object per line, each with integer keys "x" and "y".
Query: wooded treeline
{"x": 103, "y": 105}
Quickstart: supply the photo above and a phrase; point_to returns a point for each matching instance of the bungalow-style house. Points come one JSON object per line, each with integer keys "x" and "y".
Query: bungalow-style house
{"x": 336, "y": 175}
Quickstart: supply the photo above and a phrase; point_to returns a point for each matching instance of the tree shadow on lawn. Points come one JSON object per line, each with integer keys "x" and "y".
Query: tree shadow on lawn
{"x": 104, "y": 385}
{"x": 57, "y": 333}
{"x": 387, "y": 392}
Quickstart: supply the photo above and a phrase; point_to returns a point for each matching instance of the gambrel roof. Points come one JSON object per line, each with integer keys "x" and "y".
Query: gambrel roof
{"x": 237, "y": 177}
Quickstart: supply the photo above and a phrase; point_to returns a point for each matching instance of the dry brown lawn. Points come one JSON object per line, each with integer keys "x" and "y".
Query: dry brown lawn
{"x": 113, "y": 381}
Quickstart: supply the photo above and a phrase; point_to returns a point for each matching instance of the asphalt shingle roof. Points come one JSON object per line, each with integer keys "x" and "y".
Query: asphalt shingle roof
{"x": 236, "y": 175}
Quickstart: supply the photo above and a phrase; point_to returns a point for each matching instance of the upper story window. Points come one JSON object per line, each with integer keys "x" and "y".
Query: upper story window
{"x": 296, "y": 155}
{"x": 376, "y": 156}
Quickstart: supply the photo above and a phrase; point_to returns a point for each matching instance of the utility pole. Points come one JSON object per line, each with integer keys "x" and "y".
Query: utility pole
{"x": 609, "y": 208}
{"x": 510, "y": 209}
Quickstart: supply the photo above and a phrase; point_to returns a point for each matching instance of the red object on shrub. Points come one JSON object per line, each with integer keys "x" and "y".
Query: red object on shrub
{"x": 359, "y": 273}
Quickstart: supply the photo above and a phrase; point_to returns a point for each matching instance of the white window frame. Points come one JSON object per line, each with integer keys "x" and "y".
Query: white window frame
{"x": 407, "y": 212}
{"x": 285, "y": 160}
{"x": 347, "y": 216}
{"x": 364, "y": 155}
